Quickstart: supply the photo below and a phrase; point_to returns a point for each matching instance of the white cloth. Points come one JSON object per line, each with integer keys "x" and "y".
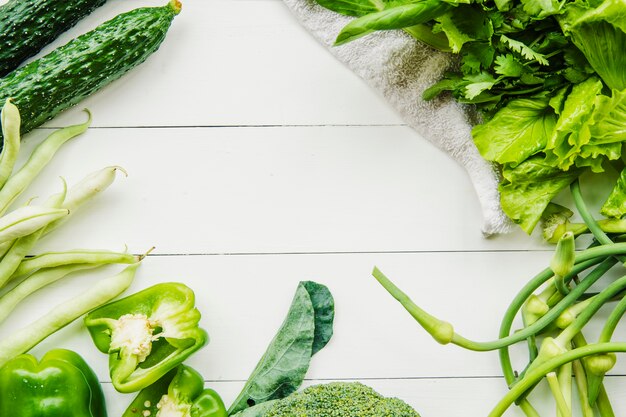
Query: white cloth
{"x": 400, "y": 69}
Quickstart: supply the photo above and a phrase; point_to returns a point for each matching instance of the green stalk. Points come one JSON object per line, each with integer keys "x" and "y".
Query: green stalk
{"x": 591, "y": 223}
{"x": 561, "y": 403}
{"x": 531, "y": 378}
{"x": 602, "y": 403}
{"x": 444, "y": 333}
{"x": 583, "y": 318}
{"x": 581, "y": 383}
{"x": 509, "y": 316}
{"x": 564, "y": 376}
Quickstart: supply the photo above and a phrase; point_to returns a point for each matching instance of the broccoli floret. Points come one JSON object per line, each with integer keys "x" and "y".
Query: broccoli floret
{"x": 339, "y": 399}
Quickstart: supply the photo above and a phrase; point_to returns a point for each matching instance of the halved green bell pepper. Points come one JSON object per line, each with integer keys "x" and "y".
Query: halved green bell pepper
{"x": 180, "y": 393}
{"x": 61, "y": 385}
{"x": 147, "y": 334}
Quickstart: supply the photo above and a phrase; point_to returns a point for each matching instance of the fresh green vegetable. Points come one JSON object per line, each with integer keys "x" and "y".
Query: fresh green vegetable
{"x": 26, "y": 220}
{"x": 61, "y": 384}
{"x": 40, "y": 157}
{"x": 180, "y": 393}
{"x": 72, "y": 72}
{"x": 10, "y": 121}
{"x": 556, "y": 306}
{"x": 36, "y": 281}
{"x": 26, "y": 26}
{"x": 147, "y": 334}
{"x": 306, "y": 329}
{"x": 63, "y": 314}
{"x": 75, "y": 257}
{"x": 333, "y": 399}
{"x": 547, "y": 76}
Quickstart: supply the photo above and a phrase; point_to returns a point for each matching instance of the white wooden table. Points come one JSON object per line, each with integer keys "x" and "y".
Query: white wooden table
{"x": 255, "y": 161}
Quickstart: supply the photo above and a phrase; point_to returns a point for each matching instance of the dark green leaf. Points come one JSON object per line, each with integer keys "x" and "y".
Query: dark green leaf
{"x": 258, "y": 410}
{"x": 282, "y": 368}
{"x": 476, "y": 55}
{"x": 463, "y": 24}
{"x": 447, "y": 84}
{"x": 324, "y": 309}
{"x": 355, "y": 8}
{"x": 397, "y": 17}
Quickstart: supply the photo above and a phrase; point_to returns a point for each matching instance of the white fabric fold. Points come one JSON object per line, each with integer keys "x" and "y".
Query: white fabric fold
{"x": 400, "y": 69}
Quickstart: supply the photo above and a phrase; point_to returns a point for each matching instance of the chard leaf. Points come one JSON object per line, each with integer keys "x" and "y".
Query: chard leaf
{"x": 615, "y": 205}
{"x": 284, "y": 364}
{"x": 517, "y": 131}
{"x": 600, "y": 34}
{"x": 525, "y": 51}
{"x": 528, "y": 188}
{"x": 508, "y": 66}
{"x": 397, "y": 17}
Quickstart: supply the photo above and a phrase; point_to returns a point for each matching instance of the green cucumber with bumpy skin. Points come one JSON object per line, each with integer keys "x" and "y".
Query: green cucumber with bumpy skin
{"x": 86, "y": 64}
{"x": 26, "y": 26}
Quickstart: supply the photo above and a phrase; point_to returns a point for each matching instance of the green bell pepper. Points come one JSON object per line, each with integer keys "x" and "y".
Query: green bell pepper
{"x": 61, "y": 385}
{"x": 180, "y": 393}
{"x": 147, "y": 334}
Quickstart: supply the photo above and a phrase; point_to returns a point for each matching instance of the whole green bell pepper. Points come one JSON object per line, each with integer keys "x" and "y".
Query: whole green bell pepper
{"x": 61, "y": 385}
{"x": 180, "y": 393}
{"x": 147, "y": 334}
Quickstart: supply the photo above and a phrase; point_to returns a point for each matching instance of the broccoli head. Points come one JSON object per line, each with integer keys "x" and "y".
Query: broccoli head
{"x": 338, "y": 399}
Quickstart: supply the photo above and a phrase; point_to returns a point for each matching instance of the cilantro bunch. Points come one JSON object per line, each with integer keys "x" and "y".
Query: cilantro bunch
{"x": 548, "y": 76}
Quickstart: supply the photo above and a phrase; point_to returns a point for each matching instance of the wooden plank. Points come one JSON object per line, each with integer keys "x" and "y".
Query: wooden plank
{"x": 225, "y": 62}
{"x": 245, "y": 298}
{"x": 429, "y": 397}
{"x": 270, "y": 190}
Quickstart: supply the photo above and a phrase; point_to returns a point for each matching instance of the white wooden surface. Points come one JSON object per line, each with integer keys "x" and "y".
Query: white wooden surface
{"x": 256, "y": 161}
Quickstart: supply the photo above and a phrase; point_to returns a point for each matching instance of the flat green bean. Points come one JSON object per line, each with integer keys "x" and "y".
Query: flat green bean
{"x": 36, "y": 281}
{"x": 78, "y": 256}
{"x": 63, "y": 314}
{"x": 40, "y": 157}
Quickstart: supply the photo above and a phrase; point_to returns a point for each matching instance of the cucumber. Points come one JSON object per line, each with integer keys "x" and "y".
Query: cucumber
{"x": 26, "y": 26}
{"x": 84, "y": 65}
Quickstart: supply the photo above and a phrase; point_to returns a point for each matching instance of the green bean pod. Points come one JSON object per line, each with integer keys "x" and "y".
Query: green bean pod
{"x": 63, "y": 314}
{"x": 79, "y": 256}
{"x": 26, "y": 220}
{"x": 40, "y": 157}
{"x": 90, "y": 186}
{"x": 36, "y": 281}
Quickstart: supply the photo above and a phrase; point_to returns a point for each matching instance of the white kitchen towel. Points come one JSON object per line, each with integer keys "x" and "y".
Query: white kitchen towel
{"x": 400, "y": 69}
